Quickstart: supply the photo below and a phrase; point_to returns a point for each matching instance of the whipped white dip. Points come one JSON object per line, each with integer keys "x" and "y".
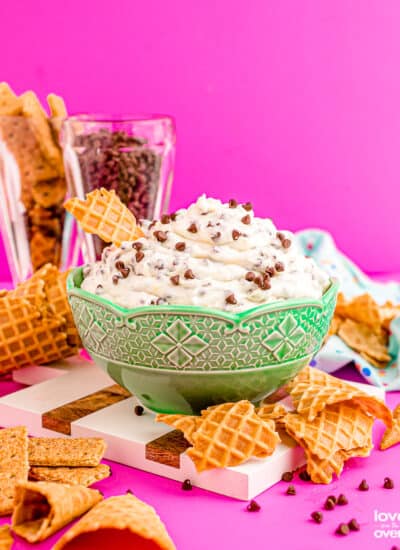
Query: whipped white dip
{"x": 210, "y": 254}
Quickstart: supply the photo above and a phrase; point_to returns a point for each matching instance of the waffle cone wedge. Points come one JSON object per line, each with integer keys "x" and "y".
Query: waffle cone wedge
{"x": 123, "y": 521}
{"x": 340, "y": 431}
{"x": 103, "y": 214}
{"x": 392, "y": 435}
{"x": 185, "y": 423}
{"x": 230, "y": 434}
{"x": 311, "y": 390}
{"x": 42, "y": 508}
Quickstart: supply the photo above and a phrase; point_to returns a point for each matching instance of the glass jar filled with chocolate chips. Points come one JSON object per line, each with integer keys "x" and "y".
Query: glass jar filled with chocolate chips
{"x": 132, "y": 155}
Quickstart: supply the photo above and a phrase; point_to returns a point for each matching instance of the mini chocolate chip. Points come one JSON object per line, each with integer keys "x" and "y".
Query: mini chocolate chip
{"x": 173, "y": 216}
{"x": 189, "y": 274}
{"x": 342, "y": 529}
{"x": 388, "y": 483}
{"x": 253, "y": 506}
{"x": 129, "y": 492}
{"x": 287, "y": 476}
{"x": 286, "y": 243}
{"x": 139, "y": 256}
{"x": 125, "y": 271}
{"x": 174, "y": 280}
{"x": 153, "y": 223}
{"x": 265, "y": 285}
{"x": 250, "y": 276}
{"x": 317, "y": 517}
{"x": 280, "y": 236}
{"x": 332, "y": 497}
{"x": 231, "y": 299}
{"x": 329, "y": 504}
{"x": 165, "y": 218}
{"x": 247, "y": 206}
{"x": 291, "y": 490}
{"x": 137, "y": 245}
{"x": 270, "y": 271}
{"x": 279, "y": 266}
{"x": 233, "y": 203}
{"x": 246, "y": 220}
{"x": 160, "y": 301}
{"x": 115, "y": 279}
{"x": 353, "y": 525}
{"x": 235, "y": 234}
{"x": 363, "y": 486}
{"x": 192, "y": 228}
{"x": 216, "y": 235}
{"x": 258, "y": 281}
{"x": 187, "y": 485}
{"x": 139, "y": 410}
{"x": 161, "y": 236}
{"x": 180, "y": 246}
{"x": 119, "y": 265}
{"x": 342, "y": 500}
{"x": 304, "y": 476}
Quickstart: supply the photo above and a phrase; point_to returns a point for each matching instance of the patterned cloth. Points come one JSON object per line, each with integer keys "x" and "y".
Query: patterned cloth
{"x": 335, "y": 353}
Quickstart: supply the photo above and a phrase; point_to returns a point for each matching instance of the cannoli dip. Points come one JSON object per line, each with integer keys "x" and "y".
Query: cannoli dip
{"x": 210, "y": 254}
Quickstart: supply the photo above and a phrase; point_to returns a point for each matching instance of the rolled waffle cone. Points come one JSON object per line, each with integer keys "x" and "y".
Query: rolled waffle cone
{"x": 338, "y": 432}
{"x": 230, "y": 434}
{"x": 185, "y": 423}
{"x": 103, "y": 214}
{"x": 57, "y": 297}
{"x": 313, "y": 389}
{"x": 125, "y": 521}
{"x": 26, "y": 338}
{"x": 6, "y": 539}
{"x": 44, "y": 249}
{"x": 42, "y": 508}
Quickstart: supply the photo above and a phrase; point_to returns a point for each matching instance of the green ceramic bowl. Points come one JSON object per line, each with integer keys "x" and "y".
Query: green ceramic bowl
{"x": 181, "y": 359}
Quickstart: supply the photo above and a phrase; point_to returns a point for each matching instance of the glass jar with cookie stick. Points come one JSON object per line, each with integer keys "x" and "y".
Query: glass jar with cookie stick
{"x": 132, "y": 155}
{"x": 32, "y": 181}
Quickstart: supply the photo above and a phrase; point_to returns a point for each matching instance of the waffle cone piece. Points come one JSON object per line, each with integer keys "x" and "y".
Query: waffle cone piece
{"x": 42, "y": 508}
{"x": 126, "y": 520}
{"x": 185, "y": 423}
{"x": 392, "y": 435}
{"x": 312, "y": 390}
{"x": 340, "y": 431}
{"x": 230, "y": 434}
{"x": 104, "y": 215}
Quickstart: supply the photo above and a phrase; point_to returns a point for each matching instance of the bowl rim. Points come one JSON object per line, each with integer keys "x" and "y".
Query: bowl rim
{"x": 75, "y": 279}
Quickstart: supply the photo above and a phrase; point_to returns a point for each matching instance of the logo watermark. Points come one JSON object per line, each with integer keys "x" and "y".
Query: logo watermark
{"x": 387, "y": 525}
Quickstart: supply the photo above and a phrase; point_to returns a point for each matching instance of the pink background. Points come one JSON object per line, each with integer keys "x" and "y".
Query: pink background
{"x": 292, "y": 105}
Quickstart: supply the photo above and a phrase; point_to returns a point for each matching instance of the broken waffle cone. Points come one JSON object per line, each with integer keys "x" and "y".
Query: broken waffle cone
{"x": 392, "y": 435}
{"x": 363, "y": 338}
{"x": 41, "y": 508}
{"x": 104, "y": 215}
{"x": 185, "y": 423}
{"x": 312, "y": 390}
{"x": 337, "y": 433}
{"x": 275, "y": 412}
{"x": 120, "y": 522}
{"x": 230, "y": 434}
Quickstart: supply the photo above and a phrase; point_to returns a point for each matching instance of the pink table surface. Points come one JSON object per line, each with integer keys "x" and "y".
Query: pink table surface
{"x": 199, "y": 520}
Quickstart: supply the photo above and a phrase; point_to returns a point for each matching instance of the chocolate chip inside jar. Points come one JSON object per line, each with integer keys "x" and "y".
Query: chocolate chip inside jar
{"x": 207, "y": 256}
{"x": 119, "y": 161}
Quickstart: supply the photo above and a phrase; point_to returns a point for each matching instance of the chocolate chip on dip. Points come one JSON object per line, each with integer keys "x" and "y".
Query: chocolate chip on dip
{"x": 207, "y": 255}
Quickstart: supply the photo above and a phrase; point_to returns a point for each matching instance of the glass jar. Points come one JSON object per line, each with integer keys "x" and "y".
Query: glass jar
{"x": 132, "y": 155}
{"x": 32, "y": 191}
